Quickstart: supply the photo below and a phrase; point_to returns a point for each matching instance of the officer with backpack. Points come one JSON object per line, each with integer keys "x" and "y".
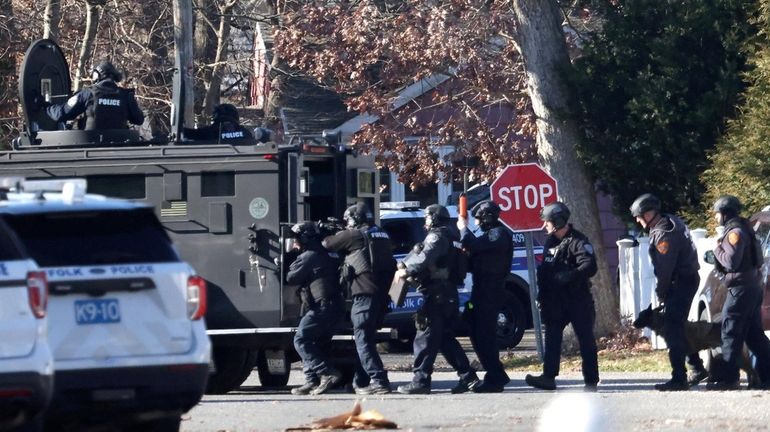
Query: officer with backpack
{"x": 490, "y": 257}
{"x": 315, "y": 270}
{"x": 368, "y": 270}
{"x": 738, "y": 259}
{"x": 564, "y": 282}
{"x": 435, "y": 264}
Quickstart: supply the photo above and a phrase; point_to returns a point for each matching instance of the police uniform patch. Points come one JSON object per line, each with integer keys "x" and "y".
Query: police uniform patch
{"x": 431, "y": 238}
{"x": 662, "y": 247}
{"x": 733, "y": 237}
{"x": 588, "y": 248}
{"x": 71, "y": 102}
{"x": 493, "y": 235}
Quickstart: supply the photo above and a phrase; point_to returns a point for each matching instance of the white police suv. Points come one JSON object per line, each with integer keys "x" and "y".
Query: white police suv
{"x": 26, "y": 364}
{"x": 404, "y": 222}
{"x": 125, "y": 314}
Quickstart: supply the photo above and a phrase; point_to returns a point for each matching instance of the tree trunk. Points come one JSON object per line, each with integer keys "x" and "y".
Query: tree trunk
{"x": 9, "y": 106}
{"x": 278, "y": 81}
{"x": 86, "y": 48}
{"x": 52, "y": 18}
{"x": 223, "y": 35}
{"x": 544, "y": 51}
{"x": 183, "y": 36}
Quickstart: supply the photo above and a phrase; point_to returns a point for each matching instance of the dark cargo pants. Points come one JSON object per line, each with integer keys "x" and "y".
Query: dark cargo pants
{"x": 314, "y": 335}
{"x": 581, "y": 315}
{"x": 366, "y": 315}
{"x": 742, "y": 322}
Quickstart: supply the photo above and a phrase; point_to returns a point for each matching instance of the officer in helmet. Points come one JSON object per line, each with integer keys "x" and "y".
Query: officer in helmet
{"x": 434, "y": 263}
{"x": 316, "y": 273}
{"x": 490, "y": 257}
{"x": 225, "y": 126}
{"x": 564, "y": 283}
{"x": 675, "y": 260}
{"x": 738, "y": 258}
{"x": 106, "y": 106}
{"x": 368, "y": 269}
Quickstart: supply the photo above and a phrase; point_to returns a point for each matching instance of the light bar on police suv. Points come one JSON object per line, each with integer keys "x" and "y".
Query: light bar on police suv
{"x": 400, "y": 205}
{"x": 58, "y": 185}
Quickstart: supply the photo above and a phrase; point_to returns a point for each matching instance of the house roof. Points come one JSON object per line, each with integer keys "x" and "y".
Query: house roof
{"x": 308, "y": 108}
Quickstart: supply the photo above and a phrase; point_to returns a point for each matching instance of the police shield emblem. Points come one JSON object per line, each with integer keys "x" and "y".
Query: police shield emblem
{"x": 44, "y": 72}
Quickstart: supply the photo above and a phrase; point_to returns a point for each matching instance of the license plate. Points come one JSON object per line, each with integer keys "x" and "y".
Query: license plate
{"x": 102, "y": 311}
{"x": 276, "y": 362}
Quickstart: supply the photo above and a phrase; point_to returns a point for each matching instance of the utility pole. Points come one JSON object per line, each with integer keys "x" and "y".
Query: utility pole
{"x": 183, "y": 97}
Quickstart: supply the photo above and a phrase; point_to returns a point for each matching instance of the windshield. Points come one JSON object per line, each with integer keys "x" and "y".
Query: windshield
{"x": 93, "y": 237}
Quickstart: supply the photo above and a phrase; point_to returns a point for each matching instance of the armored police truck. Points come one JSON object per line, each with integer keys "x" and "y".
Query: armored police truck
{"x": 227, "y": 205}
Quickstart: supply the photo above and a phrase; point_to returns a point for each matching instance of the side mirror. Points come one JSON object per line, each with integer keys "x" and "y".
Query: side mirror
{"x": 708, "y": 256}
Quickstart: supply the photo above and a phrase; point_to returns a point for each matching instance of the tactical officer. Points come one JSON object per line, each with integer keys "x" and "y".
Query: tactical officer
{"x": 316, "y": 272}
{"x": 564, "y": 282}
{"x": 435, "y": 264}
{"x": 675, "y": 261}
{"x": 490, "y": 261}
{"x": 738, "y": 259}
{"x": 368, "y": 269}
{"x": 106, "y": 105}
{"x": 225, "y": 126}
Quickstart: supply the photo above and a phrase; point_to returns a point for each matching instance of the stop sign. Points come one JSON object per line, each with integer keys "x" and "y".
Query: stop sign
{"x": 522, "y": 191}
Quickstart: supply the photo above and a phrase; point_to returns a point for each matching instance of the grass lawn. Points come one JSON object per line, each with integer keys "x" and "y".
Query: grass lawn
{"x": 609, "y": 361}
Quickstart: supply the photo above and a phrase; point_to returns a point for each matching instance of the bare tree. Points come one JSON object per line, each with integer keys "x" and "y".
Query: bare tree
{"x": 52, "y": 18}
{"x": 545, "y": 57}
{"x": 222, "y": 34}
{"x": 93, "y": 9}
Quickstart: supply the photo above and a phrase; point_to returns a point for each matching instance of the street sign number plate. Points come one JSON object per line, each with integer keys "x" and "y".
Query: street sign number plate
{"x": 102, "y": 311}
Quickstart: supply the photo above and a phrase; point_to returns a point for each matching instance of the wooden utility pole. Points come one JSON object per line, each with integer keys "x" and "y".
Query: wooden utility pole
{"x": 184, "y": 96}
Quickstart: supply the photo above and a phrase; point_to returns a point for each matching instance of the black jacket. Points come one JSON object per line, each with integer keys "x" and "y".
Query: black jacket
{"x": 672, "y": 252}
{"x": 317, "y": 273}
{"x": 351, "y": 242}
{"x": 567, "y": 268}
{"x": 737, "y": 254}
{"x": 106, "y": 105}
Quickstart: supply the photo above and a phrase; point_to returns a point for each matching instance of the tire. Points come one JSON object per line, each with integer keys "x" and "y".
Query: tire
{"x": 268, "y": 379}
{"x": 511, "y": 322}
{"x": 233, "y": 367}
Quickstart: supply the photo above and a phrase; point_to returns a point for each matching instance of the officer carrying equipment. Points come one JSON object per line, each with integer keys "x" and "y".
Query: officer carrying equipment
{"x": 315, "y": 271}
{"x": 739, "y": 257}
{"x": 565, "y": 296}
{"x": 367, "y": 270}
{"x": 675, "y": 260}
{"x": 490, "y": 257}
{"x": 434, "y": 319}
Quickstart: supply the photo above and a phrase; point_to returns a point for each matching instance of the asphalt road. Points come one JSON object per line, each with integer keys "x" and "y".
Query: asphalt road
{"x": 625, "y": 402}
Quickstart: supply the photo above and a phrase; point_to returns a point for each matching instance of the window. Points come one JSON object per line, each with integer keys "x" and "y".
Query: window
{"x": 118, "y": 186}
{"x": 426, "y": 195}
{"x": 215, "y": 184}
{"x": 93, "y": 237}
{"x": 404, "y": 233}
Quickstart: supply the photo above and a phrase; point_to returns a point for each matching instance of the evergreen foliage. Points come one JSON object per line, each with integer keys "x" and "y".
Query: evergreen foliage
{"x": 740, "y": 164}
{"x": 654, "y": 88}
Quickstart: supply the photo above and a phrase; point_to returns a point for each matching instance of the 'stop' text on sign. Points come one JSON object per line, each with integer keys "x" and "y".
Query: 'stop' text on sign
{"x": 522, "y": 191}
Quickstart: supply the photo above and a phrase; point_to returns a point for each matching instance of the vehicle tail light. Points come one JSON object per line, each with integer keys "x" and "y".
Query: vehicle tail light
{"x": 196, "y": 297}
{"x": 37, "y": 288}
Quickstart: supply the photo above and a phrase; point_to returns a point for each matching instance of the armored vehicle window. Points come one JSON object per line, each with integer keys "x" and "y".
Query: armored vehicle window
{"x": 118, "y": 186}
{"x": 217, "y": 184}
{"x": 93, "y": 237}
{"x": 404, "y": 233}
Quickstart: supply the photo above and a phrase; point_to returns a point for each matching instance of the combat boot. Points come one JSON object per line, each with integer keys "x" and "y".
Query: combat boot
{"x": 672, "y": 385}
{"x": 328, "y": 381}
{"x": 724, "y": 385}
{"x": 466, "y": 384}
{"x": 541, "y": 381}
{"x": 374, "y": 388}
{"x": 304, "y": 389}
{"x": 414, "y": 388}
{"x": 695, "y": 377}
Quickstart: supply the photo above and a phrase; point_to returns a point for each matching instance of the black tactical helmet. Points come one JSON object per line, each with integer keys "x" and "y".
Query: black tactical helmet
{"x": 306, "y": 232}
{"x": 486, "y": 211}
{"x": 645, "y": 203}
{"x": 728, "y": 205}
{"x": 557, "y": 213}
{"x": 106, "y": 70}
{"x": 225, "y": 112}
{"x": 357, "y": 215}
{"x": 436, "y": 215}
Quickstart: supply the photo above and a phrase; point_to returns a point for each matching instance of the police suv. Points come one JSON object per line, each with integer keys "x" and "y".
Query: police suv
{"x": 403, "y": 221}
{"x": 125, "y": 313}
{"x": 26, "y": 364}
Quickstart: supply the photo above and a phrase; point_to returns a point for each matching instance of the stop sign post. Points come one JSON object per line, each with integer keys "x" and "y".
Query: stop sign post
{"x": 522, "y": 191}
